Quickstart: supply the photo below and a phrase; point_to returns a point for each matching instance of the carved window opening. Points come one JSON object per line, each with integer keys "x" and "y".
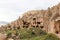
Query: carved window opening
{"x": 33, "y": 26}
{"x": 34, "y": 18}
{"x": 38, "y": 22}
{"x": 56, "y": 32}
{"x": 23, "y": 26}
{"x": 37, "y": 26}
{"x": 24, "y": 23}
{"x": 42, "y": 27}
{"x": 18, "y": 27}
{"x": 26, "y": 26}
{"x": 9, "y": 26}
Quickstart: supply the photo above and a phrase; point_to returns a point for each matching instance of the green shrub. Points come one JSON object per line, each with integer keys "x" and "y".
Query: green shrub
{"x": 51, "y": 37}
{"x": 24, "y": 33}
{"x": 37, "y": 31}
{"x": 8, "y": 33}
{"x": 32, "y": 32}
{"x": 42, "y": 32}
{"x": 44, "y": 37}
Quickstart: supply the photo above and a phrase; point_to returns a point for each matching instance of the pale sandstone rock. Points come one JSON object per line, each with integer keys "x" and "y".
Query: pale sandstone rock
{"x": 3, "y": 37}
{"x": 10, "y": 39}
{"x": 45, "y": 18}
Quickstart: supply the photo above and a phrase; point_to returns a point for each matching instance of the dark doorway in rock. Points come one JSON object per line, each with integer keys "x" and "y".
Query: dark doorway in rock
{"x": 27, "y": 26}
{"x": 23, "y": 26}
{"x": 37, "y": 26}
{"x": 34, "y": 18}
{"x": 38, "y": 22}
{"x": 33, "y": 26}
{"x": 41, "y": 27}
{"x": 56, "y": 32}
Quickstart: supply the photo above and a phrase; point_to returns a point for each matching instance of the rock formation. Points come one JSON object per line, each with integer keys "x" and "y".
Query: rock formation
{"x": 48, "y": 20}
{"x": 3, "y": 37}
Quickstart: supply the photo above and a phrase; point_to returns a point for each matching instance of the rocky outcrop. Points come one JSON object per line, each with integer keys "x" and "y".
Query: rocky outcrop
{"x": 43, "y": 19}
{"x": 3, "y": 37}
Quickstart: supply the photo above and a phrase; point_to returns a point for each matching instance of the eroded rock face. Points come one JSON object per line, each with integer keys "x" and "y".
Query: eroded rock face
{"x": 43, "y": 19}
{"x": 2, "y": 36}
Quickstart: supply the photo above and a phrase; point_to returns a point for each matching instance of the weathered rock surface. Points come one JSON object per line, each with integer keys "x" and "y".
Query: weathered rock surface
{"x": 3, "y": 37}
{"x": 48, "y": 20}
{"x": 10, "y": 39}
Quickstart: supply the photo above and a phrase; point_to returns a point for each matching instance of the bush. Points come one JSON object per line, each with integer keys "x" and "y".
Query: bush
{"x": 42, "y": 32}
{"x": 37, "y": 31}
{"x": 51, "y": 37}
{"x": 24, "y": 34}
{"x": 44, "y": 37}
{"x": 32, "y": 32}
{"x": 8, "y": 33}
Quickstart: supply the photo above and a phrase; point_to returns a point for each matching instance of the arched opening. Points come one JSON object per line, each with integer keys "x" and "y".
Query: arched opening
{"x": 42, "y": 27}
{"x": 34, "y": 18}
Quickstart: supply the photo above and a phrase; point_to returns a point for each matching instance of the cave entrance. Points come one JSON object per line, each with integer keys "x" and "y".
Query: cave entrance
{"x": 57, "y": 27}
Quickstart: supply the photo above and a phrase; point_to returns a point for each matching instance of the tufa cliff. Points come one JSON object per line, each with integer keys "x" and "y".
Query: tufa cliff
{"x": 47, "y": 20}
